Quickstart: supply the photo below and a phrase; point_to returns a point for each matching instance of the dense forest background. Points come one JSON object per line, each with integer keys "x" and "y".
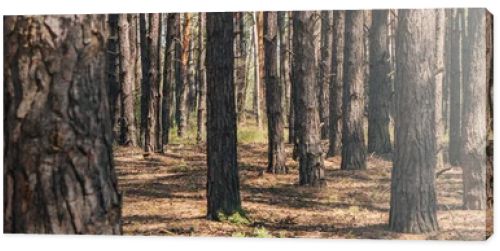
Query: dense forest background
{"x": 334, "y": 124}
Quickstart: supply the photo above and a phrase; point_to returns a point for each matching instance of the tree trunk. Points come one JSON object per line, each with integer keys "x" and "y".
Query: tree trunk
{"x": 256, "y": 97}
{"x": 474, "y": 120}
{"x": 325, "y": 70}
{"x": 239, "y": 64}
{"x": 439, "y": 79}
{"x": 284, "y": 58}
{"x": 455, "y": 88}
{"x": 274, "y": 96}
{"x": 309, "y": 150}
{"x": 183, "y": 86}
{"x": 379, "y": 141}
{"x": 143, "y": 33}
{"x": 58, "y": 171}
{"x": 336, "y": 85}
{"x": 353, "y": 139}
{"x": 202, "y": 75}
{"x": 223, "y": 185}
{"x": 128, "y": 134}
{"x": 169, "y": 74}
{"x": 113, "y": 76}
{"x": 152, "y": 132}
{"x": 413, "y": 197}
{"x": 134, "y": 57}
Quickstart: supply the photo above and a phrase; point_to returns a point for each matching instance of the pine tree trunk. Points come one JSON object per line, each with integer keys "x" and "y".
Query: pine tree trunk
{"x": 379, "y": 141}
{"x": 143, "y": 33}
{"x": 439, "y": 79}
{"x": 257, "y": 88}
{"x": 474, "y": 120}
{"x": 455, "y": 88}
{"x": 325, "y": 70}
{"x": 183, "y": 86}
{"x": 152, "y": 132}
{"x": 113, "y": 76}
{"x": 284, "y": 58}
{"x": 223, "y": 186}
{"x": 353, "y": 139}
{"x": 274, "y": 97}
{"x": 309, "y": 150}
{"x": 134, "y": 57}
{"x": 239, "y": 64}
{"x": 413, "y": 197}
{"x": 58, "y": 171}
{"x": 169, "y": 74}
{"x": 202, "y": 75}
{"x": 336, "y": 85}
{"x": 128, "y": 134}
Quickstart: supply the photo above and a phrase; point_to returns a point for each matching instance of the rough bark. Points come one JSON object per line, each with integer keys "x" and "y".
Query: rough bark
{"x": 58, "y": 171}
{"x": 239, "y": 64}
{"x": 379, "y": 140}
{"x": 143, "y": 34}
{"x": 152, "y": 130}
{"x": 274, "y": 97}
{"x": 309, "y": 149}
{"x": 336, "y": 85}
{"x": 128, "y": 133}
{"x": 325, "y": 70}
{"x": 258, "y": 75}
{"x": 223, "y": 186}
{"x": 413, "y": 198}
{"x": 439, "y": 81}
{"x": 353, "y": 139}
{"x": 202, "y": 75}
{"x": 455, "y": 88}
{"x": 169, "y": 74}
{"x": 183, "y": 86}
{"x": 474, "y": 119}
{"x": 113, "y": 75}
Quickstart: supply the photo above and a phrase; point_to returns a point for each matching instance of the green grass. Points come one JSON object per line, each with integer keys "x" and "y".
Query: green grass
{"x": 238, "y": 218}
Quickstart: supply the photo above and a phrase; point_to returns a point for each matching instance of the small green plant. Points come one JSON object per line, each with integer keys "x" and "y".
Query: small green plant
{"x": 238, "y": 218}
{"x": 261, "y": 232}
{"x": 238, "y": 234}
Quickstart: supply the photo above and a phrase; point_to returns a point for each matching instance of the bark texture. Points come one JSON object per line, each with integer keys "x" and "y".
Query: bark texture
{"x": 58, "y": 170}
{"x": 353, "y": 139}
{"x": 202, "y": 78}
{"x": 325, "y": 70}
{"x": 223, "y": 186}
{"x": 169, "y": 76}
{"x": 309, "y": 149}
{"x": 274, "y": 97}
{"x": 413, "y": 197}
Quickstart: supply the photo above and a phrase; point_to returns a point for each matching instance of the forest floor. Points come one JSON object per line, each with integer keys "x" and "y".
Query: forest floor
{"x": 164, "y": 194}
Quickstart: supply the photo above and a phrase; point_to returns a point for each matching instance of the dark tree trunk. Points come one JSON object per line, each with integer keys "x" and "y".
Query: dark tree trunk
{"x": 152, "y": 132}
{"x": 113, "y": 76}
{"x": 473, "y": 144}
{"x": 169, "y": 74}
{"x": 336, "y": 85}
{"x": 284, "y": 58}
{"x": 309, "y": 150}
{"x": 128, "y": 133}
{"x": 353, "y": 139}
{"x": 223, "y": 185}
{"x": 413, "y": 197}
{"x": 325, "y": 70}
{"x": 183, "y": 86}
{"x": 58, "y": 171}
{"x": 143, "y": 33}
{"x": 202, "y": 78}
{"x": 379, "y": 141}
{"x": 455, "y": 88}
{"x": 274, "y": 96}
{"x": 258, "y": 74}
{"x": 239, "y": 64}
{"x": 489, "y": 149}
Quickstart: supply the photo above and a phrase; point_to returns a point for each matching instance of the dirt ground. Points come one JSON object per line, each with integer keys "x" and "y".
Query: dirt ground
{"x": 164, "y": 194}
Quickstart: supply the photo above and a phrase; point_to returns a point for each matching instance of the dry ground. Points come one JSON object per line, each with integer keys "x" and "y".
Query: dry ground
{"x": 164, "y": 194}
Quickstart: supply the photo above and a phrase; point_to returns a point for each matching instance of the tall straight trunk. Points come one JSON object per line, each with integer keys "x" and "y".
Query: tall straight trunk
{"x": 413, "y": 198}
{"x": 455, "y": 88}
{"x": 379, "y": 104}
{"x": 309, "y": 150}
{"x": 260, "y": 41}
{"x": 134, "y": 56}
{"x": 223, "y": 185}
{"x": 128, "y": 134}
{"x": 152, "y": 132}
{"x": 474, "y": 120}
{"x": 325, "y": 70}
{"x": 284, "y": 58}
{"x": 447, "y": 76}
{"x": 257, "y": 88}
{"x": 58, "y": 171}
{"x": 274, "y": 97}
{"x": 183, "y": 86}
{"x": 291, "y": 116}
{"x": 169, "y": 74}
{"x": 353, "y": 139}
{"x": 202, "y": 77}
{"x": 489, "y": 148}
{"x": 143, "y": 34}
{"x": 439, "y": 79}
{"x": 249, "y": 61}
{"x": 239, "y": 64}
{"x": 113, "y": 76}
{"x": 336, "y": 85}
{"x": 138, "y": 77}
